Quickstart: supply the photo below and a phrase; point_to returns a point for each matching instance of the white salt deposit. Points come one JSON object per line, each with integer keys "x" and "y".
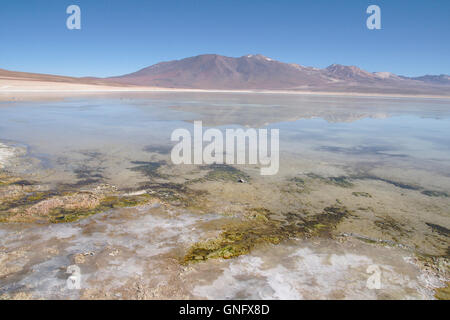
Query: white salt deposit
{"x": 6, "y": 153}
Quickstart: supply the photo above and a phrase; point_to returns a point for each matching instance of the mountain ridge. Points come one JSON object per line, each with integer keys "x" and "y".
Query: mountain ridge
{"x": 258, "y": 72}
{"x": 255, "y": 71}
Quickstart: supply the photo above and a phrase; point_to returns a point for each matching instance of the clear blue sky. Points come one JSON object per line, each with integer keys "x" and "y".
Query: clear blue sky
{"x": 123, "y": 36}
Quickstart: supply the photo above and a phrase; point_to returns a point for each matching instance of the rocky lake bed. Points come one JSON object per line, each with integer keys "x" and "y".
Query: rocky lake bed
{"x": 99, "y": 192}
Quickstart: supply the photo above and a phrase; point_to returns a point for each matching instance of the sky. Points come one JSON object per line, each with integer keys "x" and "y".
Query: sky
{"x": 119, "y": 37}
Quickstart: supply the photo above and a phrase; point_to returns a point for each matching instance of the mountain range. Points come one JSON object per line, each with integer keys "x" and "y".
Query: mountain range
{"x": 257, "y": 72}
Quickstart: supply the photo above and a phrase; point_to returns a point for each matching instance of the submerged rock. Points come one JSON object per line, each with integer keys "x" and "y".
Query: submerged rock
{"x": 26, "y": 203}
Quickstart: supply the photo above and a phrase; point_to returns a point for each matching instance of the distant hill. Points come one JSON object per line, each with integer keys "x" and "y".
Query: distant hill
{"x": 17, "y": 75}
{"x": 212, "y": 71}
{"x": 441, "y": 79}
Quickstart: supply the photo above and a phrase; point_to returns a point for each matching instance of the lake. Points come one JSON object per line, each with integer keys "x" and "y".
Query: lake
{"x": 363, "y": 190}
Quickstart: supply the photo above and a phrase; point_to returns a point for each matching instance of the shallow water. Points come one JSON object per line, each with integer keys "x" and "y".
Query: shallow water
{"x": 133, "y": 256}
{"x": 394, "y": 149}
{"x": 398, "y": 131}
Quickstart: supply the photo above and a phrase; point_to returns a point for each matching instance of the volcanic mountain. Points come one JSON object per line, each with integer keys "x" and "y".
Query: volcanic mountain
{"x": 211, "y": 71}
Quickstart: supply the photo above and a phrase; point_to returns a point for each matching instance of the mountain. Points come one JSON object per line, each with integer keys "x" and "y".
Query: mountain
{"x": 212, "y": 71}
{"x": 351, "y": 73}
{"x": 254, "y": 72}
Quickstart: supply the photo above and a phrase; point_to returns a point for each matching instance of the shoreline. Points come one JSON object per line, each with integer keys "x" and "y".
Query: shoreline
{"x": 25, "y": 91}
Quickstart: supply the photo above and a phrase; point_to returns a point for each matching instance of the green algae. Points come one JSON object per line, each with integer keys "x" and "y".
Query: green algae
{"x": 86, "y": 176}
{"x": 366, "y": 209}
{"x": 340, "y": 181}
{"x": 443, "y": 293}
{"x": 439, "y": 229}
{"x": 7, "y": 180}
{"x": 59, "y": 215}
{"x": 80, "y": 184}
{"x": 402, "y": 185}
{"x": 177, "y": 194}
{"x": 362, "y": 194}
{"x": 15, "y": 208}
{"x": 260, "y": 214}
{"x": 160, "y": 149}
{"x": 112, "y": 202}
{"x": 295, "y": 185}
{"x": 390, "y": 226}
{"x": 235, "y": 241}
{"x": 149, "y": 168}
{"x": 299, "y": 182}
{"x": 224, "y": 172}
{"x": 23, "y": 183}
{"x": 325, "y": 223}
{"x": 38, "y": 196}
{"x": 431, "y": 193}
{"x": 4, "y": 216}
{"x": 397, "y": 184}
{"x": 240, "y": 238}
{"x": 88, "y": 173}
{"x": 5, "y": 183}
{"x": 27, "y": 199}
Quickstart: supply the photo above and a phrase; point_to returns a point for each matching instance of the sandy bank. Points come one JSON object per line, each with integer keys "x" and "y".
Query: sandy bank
{"x": 30, "y": 90}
